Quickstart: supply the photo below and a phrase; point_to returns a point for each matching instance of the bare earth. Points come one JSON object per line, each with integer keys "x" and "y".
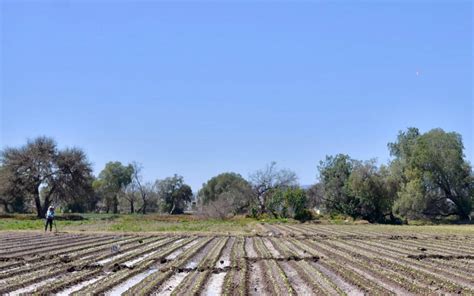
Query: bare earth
{"x": 275, "y": 260}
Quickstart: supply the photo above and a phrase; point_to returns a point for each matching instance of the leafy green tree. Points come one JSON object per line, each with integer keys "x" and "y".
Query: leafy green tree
{"x": 297, "y": 204}
{"x": 11, "y": 195}
{"x": 174, "y": 194}
{"x": 39, "y": 171}
{"x": 369, "y": 188}
{"x": 289, "y": 202}
{"x": 229, "y": 186}
{"x": 436, "y": 180}
{"x": 112, "y": 181}
{"x": 334, "y": 173}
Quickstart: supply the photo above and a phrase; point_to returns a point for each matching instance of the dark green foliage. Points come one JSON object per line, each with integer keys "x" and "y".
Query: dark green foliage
{"x": 40, "y": 172}
{"x": 111, "y": 182}
{"x": 435, "y": 178}
{"x": 289, "y": 203}
{"x": 371, "y": 191}
{"x": 174, "y": 194}
{"x": 229, "y": 186}
{"x": 334, "y": 174}
{"x": 357, "y": 189}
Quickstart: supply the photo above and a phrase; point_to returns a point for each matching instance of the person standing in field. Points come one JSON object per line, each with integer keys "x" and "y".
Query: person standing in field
{"x": 49, "y": 219}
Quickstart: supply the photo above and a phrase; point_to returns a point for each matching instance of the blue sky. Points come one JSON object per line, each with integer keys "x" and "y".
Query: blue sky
{"x": 199, "y": 88}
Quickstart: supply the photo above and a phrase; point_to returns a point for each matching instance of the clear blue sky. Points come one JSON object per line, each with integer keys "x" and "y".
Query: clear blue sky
{"x": 202, "y": 88}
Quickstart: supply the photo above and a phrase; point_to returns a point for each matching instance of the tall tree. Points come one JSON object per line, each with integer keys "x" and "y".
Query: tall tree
{"x": 174, "y": 194}
{"x": 131, "y": 195}
{"x": 113, "y": 179}
{"x": 315, "y": 195}
{"x": 40, "y": 166}
{"x": 144, "y": 189}
{"x": 334, "y": 173}
{"x": 368, "y": 187}
{"x": 229, "y": 186}
{"x": 266, "y": 181}
{"x": 436, "y": 179}
{"x": 11, "y": 195}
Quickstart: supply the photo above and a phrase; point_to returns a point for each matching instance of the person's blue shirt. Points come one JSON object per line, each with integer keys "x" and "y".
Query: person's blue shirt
{"x": 50, "y": 214}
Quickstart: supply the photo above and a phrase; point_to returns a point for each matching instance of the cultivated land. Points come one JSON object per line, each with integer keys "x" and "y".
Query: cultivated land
{"x": 259, "y": 259}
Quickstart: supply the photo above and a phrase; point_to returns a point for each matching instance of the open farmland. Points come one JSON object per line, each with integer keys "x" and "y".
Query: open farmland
{"x": 272, "y": 260}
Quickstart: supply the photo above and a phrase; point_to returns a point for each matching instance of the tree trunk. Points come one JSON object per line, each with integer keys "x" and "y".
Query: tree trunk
{"x": 144, "y": 205}
{"x": 46, "y": 204}
{"x": 263, "y": 209}
{"x": 115, "y": 205}
{"x": 5, "y": 205}
{"x": 47, "y": 200}
{"x": 464, "y": 216}
{"x": 172, "y": 209}
{"x": 39, "y": 209}
{"x": 132, "y": 208}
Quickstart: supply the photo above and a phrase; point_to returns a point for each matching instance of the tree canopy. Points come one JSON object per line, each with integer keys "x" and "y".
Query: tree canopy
{"x": 436, "y": 180}
{"x": 112, "y": 181}
{"x": 174, "y": 194}
{"x": 40, "y": 172}
{"x": 427, "y": 177}
{"x": 266, "y": 181}
{"x": 230, "y": 186}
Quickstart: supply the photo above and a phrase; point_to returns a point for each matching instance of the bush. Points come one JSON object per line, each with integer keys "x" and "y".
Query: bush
{"x": 220, "y": 208}
{"x": 303, "y": 215}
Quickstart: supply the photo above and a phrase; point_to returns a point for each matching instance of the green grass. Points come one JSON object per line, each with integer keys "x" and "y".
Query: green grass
{"x": 135, "y": 223}
{"x": 37, "y": 224}
{"x": 195, "y": 224}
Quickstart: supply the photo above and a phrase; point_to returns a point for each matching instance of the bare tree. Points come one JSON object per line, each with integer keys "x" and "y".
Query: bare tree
{"x": 144, "y": 189}
{"x": 266, "y": 180}
{"x": 315, "y": 195}
{"x": 222, "y": 207}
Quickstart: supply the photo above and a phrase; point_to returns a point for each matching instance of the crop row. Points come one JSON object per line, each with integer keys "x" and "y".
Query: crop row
{"x": 274, "y": 264}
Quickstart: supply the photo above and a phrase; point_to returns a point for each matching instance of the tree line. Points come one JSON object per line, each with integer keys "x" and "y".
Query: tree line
{"x": 427, "y": 177}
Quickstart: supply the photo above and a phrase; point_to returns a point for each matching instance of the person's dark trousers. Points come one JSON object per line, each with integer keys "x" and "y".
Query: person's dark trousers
{"x": 50, "y": 222}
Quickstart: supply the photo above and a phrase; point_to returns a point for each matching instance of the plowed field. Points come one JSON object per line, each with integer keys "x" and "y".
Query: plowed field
{"x": 276, "y": 260}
